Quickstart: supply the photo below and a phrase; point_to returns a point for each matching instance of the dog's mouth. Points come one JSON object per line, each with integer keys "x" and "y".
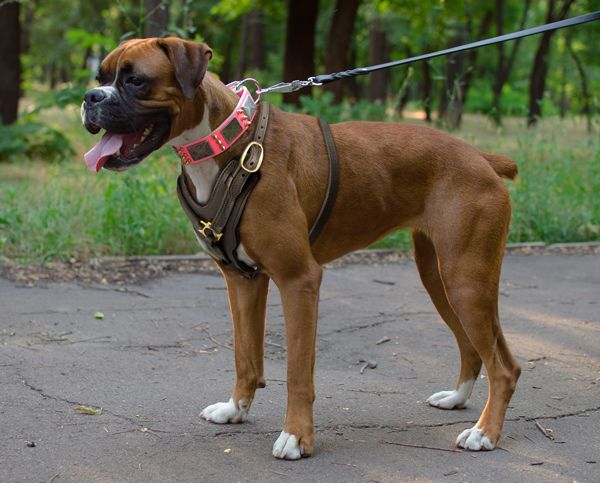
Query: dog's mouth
{"x": 118, "y": 152}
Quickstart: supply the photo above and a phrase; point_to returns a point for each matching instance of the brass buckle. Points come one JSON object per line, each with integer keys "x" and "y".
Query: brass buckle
{"x": 208, "y": 226}
{"x": 260, "y": 159}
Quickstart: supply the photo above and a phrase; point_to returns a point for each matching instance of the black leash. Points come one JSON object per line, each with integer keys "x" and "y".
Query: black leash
{"x": 325, "y": 79}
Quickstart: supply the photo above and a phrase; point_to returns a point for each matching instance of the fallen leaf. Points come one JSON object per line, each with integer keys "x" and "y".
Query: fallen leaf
{"x": 89, "y": 410}
{"x": 98, "y": 315}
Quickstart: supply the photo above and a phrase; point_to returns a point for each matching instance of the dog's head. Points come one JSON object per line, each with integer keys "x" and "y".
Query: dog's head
{"x": 144, "y": 86}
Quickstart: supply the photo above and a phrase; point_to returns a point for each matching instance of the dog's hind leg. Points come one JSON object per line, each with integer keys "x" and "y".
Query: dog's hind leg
{"x": 470, "y": 362}
{"x": 248, "y": 302}
{"x": 470, "y": 259}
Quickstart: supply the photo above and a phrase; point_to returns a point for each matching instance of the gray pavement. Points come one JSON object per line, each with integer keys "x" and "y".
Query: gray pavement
{"x": 162, "y": 352}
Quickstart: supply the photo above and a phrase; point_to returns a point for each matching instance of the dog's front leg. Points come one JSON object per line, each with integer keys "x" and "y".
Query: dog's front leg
{"x": 300, "y": 300}
{"x": 248, "y": 302}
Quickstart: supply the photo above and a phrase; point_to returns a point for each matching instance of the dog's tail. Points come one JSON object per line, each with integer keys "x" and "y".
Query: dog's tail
{"x": 503, "y": 165}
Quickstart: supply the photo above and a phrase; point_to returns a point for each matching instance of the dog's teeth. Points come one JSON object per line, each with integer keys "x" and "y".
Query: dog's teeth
{"x": 147, "y": 131}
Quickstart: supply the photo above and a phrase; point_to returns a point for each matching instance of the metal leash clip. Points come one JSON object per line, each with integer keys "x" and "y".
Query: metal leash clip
{"x": 236, "y": 86}
{"x": 286, "y": 87}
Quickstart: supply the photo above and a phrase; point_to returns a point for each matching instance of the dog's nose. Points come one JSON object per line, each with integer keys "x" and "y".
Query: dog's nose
{"x": 94, "y": 96}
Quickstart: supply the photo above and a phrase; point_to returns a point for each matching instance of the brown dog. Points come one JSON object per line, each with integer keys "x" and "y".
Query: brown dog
{"x": 392, "y": 177}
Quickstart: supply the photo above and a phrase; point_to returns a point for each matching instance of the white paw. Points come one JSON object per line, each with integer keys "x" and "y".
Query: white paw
{"x": 473, "y": 439}
{"x": 221, "y": 413}
{"x": 459, "y": 398}
{"x": 287, "y": 448}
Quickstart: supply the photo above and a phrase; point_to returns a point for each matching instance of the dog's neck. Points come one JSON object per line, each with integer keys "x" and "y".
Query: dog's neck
{"x": 212, "y": 104}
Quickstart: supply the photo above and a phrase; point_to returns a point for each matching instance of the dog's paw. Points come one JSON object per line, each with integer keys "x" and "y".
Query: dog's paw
{"x": 221, "y": 413}
{"x": 457, "y": 399}
{"x": 474, "y": 439}
{"x": 287, "y": 447}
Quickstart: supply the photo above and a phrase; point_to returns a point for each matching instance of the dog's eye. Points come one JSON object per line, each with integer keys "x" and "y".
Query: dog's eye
{"x": 135, "y": 81}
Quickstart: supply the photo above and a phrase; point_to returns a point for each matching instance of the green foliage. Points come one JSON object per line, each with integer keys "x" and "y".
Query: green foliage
{"x": 63, "y": 211}
{"x": 555, "y": 197}
{"x": 479, "y": 100}
{"x": 322, "y": 106}
{"x": 141, "y": 214}
{"x": 33, "y": 140}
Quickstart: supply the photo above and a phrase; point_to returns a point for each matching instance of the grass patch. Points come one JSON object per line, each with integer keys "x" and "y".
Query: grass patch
{"x": 61, "y": 211}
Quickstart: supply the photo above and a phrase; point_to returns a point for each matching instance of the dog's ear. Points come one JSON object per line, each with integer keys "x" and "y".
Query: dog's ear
{"x": 190, "y": 61}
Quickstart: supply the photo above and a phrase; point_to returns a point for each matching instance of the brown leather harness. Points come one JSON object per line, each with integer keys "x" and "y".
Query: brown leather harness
{"x": 230, "y": 192}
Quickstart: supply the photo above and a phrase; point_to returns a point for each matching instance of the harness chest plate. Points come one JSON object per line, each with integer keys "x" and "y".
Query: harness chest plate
{"x": 216, "y": 223}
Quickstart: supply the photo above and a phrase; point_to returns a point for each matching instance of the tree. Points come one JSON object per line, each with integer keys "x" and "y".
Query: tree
{"x": 10, "y": 64}
{"x": 257, "y": 40}
{"x": 460, "y": 68}
{"x": 585, "y": 90}
{"x": 537, "y": 80}
{"x": 504, "y": 66}
{"x": 338, "y": 43}
{"x": 242, "y": 57}
{"x": 156, "y": 20}
{"x": 379, "y": 53}
{"x": 299, "y": 54}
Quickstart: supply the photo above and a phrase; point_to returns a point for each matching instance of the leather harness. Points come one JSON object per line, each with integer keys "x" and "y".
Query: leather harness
{"x": 230, "y": 192}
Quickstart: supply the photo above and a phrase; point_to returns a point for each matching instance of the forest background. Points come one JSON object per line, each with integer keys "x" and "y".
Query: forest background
{"x": 534, "y": 99}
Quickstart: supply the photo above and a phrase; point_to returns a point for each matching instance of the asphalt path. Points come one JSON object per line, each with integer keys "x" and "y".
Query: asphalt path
{"x": 162, "y": 351}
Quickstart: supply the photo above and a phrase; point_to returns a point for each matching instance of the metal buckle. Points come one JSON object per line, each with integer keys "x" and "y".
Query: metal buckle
{"x": 245, "y": 153}
{"x": 208, "y": 225}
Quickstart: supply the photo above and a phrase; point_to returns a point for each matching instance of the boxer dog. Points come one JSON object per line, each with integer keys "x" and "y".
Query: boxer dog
{"x": 392, "y": 176}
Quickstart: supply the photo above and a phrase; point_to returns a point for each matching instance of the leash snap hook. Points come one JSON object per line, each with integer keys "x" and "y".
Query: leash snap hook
{"x": 237, "y": 86}
{"x": 260, "y": 158}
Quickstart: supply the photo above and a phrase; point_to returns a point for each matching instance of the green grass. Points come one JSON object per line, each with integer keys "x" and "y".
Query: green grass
{"x": 51, "y": 211}
{"x": 61, "y": 211}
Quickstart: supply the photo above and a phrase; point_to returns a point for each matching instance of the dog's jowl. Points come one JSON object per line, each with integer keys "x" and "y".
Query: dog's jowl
{"x": 254, "y": 180}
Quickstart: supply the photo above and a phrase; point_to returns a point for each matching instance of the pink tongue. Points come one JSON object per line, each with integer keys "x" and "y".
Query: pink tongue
{"x": 108, "y": 145}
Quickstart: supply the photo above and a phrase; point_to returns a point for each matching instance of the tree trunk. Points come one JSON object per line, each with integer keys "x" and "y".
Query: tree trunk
{"x": 227, "y": 72}
{"x": 299, "y": 63}
{"x": 537, "y": 81}
{"x": 504, "y": 67}
{"x": 338, "y": 42}
{"x": 459, "y": 73}
{"x": 427, "y": 85}
{"x": 379, "y": 53}
{"x": 257, "y": 40}
{"x": 354, "y": 88}
{"x": 242, "y": 57}
{"x": 452, "y": 94}
{"x": 585, "y": 90}
{"x": 10, "y": 64}
{"x": 156, "y": 18}
{"x": 563, "y": 93}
